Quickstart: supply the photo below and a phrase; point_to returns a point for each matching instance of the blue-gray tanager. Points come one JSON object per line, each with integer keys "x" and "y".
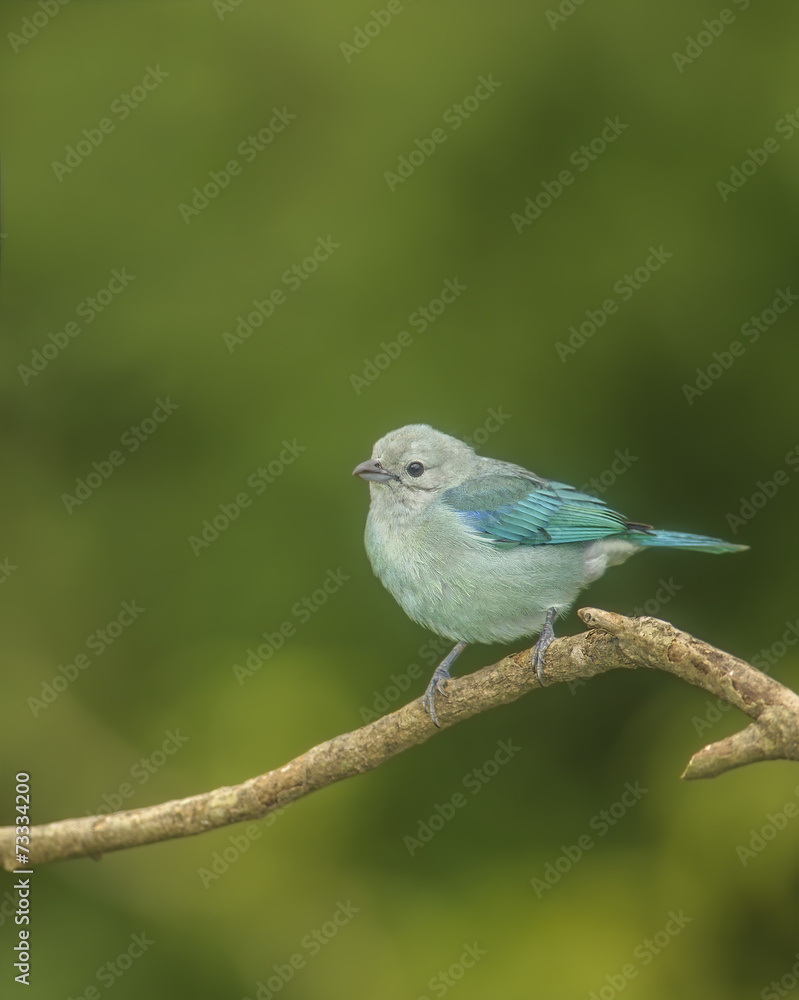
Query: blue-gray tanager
{"x": 479, "y": 550}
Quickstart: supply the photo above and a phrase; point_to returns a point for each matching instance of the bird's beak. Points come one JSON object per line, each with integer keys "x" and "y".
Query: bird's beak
{"x": 373, "y": 471}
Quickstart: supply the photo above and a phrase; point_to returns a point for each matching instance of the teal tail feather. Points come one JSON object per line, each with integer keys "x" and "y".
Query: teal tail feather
{"x": 678, "y": 540}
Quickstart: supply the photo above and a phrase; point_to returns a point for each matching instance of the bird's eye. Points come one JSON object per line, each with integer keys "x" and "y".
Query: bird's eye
{"x": 415, "y": 469}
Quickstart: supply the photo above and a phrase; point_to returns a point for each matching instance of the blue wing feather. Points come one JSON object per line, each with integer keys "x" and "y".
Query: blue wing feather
{"x": 514, "y": 510}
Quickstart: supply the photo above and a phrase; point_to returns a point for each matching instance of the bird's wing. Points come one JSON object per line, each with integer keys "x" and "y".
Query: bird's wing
{"x": 511, "y": 510}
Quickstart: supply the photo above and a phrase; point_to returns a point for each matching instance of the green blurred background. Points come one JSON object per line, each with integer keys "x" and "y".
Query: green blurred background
{"x": 488, "y": 368}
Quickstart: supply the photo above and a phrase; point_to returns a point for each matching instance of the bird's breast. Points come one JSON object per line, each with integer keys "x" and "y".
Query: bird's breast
{"x": 457, "y": 584}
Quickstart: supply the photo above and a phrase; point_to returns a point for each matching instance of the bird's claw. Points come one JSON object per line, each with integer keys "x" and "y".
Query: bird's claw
{"x": 538, "y": 657}
{"x": 438, "y": 680}
{"x": 436, "y": 686}
{"x": 545, "y": 640}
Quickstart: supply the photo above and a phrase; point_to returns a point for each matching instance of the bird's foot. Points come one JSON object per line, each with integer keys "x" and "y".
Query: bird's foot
{"x": 438, "y": 680}
{"x": 436, "y": 686}
{"x": 544, "y": 641}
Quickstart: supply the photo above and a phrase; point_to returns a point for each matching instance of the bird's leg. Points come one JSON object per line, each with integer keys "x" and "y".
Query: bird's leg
{"x": 440, "y": 675}
{"x": 544, "y": 640}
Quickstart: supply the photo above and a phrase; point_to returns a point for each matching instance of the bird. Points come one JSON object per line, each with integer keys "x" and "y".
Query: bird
{"x": 479, "y": 550}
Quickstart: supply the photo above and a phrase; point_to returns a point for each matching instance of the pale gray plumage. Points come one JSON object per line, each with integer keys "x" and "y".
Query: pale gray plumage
{"x": 479, "y": 550}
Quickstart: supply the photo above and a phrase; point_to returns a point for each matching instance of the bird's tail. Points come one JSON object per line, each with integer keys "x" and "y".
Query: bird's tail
{"x": 678, "y": 540}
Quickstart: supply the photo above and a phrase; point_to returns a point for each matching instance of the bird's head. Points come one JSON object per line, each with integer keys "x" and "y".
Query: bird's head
{"x": 415, "y": 462}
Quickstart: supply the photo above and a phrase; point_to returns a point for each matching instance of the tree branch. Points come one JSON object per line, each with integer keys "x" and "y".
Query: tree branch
{"x": 613, "y": 641}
